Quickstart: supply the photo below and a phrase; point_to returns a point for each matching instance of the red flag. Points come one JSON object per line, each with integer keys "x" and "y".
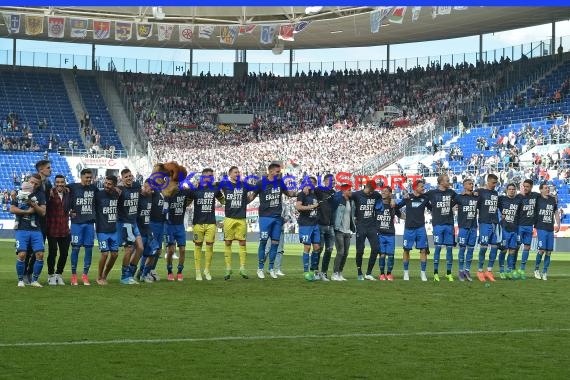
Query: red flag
{"x": 286, "y": 32}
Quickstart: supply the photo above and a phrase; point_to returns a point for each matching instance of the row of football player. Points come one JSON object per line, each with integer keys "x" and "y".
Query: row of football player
{"x": 495, "y": 221}
{"x": 117, "y": 209}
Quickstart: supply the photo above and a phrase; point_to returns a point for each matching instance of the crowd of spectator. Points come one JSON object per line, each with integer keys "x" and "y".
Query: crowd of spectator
{"x": 315, "y": 122}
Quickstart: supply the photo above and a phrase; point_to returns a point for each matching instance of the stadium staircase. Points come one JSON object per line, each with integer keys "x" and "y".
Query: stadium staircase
{"x": 98, "y": 111}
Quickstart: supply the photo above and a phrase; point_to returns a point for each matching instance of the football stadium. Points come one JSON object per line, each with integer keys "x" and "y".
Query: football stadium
{"x": 234, "y": 219}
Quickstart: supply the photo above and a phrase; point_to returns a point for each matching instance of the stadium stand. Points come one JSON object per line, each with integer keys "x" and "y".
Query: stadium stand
{"x": 36, "y": 102}
{"x": 17, "y": 166}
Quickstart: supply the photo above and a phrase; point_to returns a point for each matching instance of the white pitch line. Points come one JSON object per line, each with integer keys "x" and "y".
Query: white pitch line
{"x": 280, "y": 337}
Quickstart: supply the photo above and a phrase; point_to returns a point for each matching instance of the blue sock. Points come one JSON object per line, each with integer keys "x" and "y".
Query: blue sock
{"x": 382, "y": 263}
{"x": 510, "y": 263}
{"x": 461, "y": 258}
{"x": 390, "y": 263}
{"x": 516, "y": 258}
{"x": 449, "y": 259}
{"x": 482, "y": 252}
{"x": 146, "y": 268}
{"x": 305, "y": 261}
{"x": 436, "y": 255}
{"x": 124, "y": 272}
{"x": 180, "y": 268}
{"x": 315, "y": 260}
{"x": 406, "y": 265}
{"x": 261, "y": 253}
{"x": 538, "y": 260}
{"x": 169, "y": 268}
{"x": 87, "y": 259}
{"x": 74, "y": 259}
{"x": 524, "y": 258}
{"x": 469, "y": 258}
{"x": 492, "y": 258}
{"x": 502, "y": 255}
{"x": 39, "y": 265}
{"x": 272, "y": 255}
{"x": 132, "y": 270}
{"x": 20, "y": 269}
{"x": 546, "y": 263}
{"x": 423, "y": 266}
{"x": 154, "y": 263}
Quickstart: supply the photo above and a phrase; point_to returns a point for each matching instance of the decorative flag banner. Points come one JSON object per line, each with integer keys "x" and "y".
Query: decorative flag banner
{"x": 101, "y": 30}
{"x": 78, "y": 27}
{"x": 267, "y": 34}
{"x": 398, "y": 15}
{"x": 185, "y": 32}
{"x": 56, "y": 27}
{"x": 12, "y": 23}
{"x": 433, "y": 12}
{"x": 144, "y": 31}
{"x": 286, "y": 32}
{"x": 165, "y": 32}
{"x": 206, "y": 31}
{"x": 443, "y": 10}
{"x": 34, "y": 25}
{"x": 374, "y": 21}
{"x": 123, "y": 31}
{"x": 229, "y": 34}
{"x": 247, "y": 29}
{"x": 460, "y": 8}
{"x": 300, "y": 26}
{"x": 416, "y": 13}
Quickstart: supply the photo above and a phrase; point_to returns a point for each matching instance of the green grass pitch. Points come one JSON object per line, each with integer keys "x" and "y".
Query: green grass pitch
{"x": 285, "y": 328}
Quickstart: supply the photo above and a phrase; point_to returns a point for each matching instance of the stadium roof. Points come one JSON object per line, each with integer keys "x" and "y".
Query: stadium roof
{"x": 330, "y": 27}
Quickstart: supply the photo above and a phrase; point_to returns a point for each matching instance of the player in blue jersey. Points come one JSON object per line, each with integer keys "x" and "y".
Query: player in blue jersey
{"x": 150, "y": 245}
{"x": 157, "y": 226}
{"x": 467, "y": 228}
{"x": 526, "y": 221}
{"x": 27, "y": 207}
{"x": 547, "y": 215}
{"x": 415, "y": 227}
{"x": 270, "y": 189}
{"x": 129, "y": 234}
{"x": 385, "y": 219}
{"x": 82, "y": 196}
{"x": 309, "y": 233}
{"x": 442, "y": 201}
{"x": 106, "y": 226}
{"x": 509, "y": 208}
{"x": 487, "y": 205}
{"x": 175, "y": 207}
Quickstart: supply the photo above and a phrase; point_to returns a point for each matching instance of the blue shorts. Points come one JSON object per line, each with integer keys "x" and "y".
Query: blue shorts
{"x": 467, "y": 237}
{"x": 525, "y": 235}
{"x": 157, "y": 229}
{"x": 128, "y": 233}
{"x": 443, "y": 235}
{"x": 108, "y": 241}
{"x": 509, "y": 240}
{"x": 488, "y": 234}
{"x": 309, "y": 235}
{"x": 176, "y": 234}
{"x": 417, "y": 236}
{"x": 26, "y": 239}
{"x": 82, "y": 235}
{"x": 270, "y": 227}
{"x": 150, "y": 245}
{"x": 545, "y": 240}
{"x": 386, "y": 244}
